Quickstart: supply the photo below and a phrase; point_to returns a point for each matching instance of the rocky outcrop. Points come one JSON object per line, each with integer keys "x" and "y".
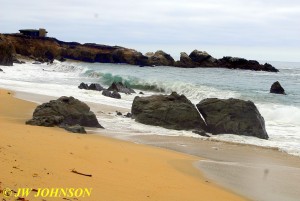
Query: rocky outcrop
{"x": 46, "y": 49}
{"x": 232, "y": 116}
{"x": 64, "y": 112}
{"x": 173, "y": 112}
{"x": 120, "y": 87}
{"x": 6, "y": 52}
{"x": 203, "y": 59}
{"x": 129, "y": 56}
{"x": 276, "y": 88}
{"x": 240, "y": 63}
{"x": 160, "y": 58}
{"x": 185, "y": 61}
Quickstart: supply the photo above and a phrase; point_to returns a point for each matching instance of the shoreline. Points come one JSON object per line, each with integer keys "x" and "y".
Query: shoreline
{"x": 217, "y": 156}
{"x": 121, "y": 170}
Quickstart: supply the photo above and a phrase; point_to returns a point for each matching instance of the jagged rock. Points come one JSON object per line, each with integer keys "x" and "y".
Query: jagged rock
{"x": 6, "y": 52}
{"x": 241, "y": 63}
{"x": 64, "y": 111}
{"x": 173, "y": 111}
{"x": 160, "y": 58}
{"x": 119, "y": 87}
{"x": 75, "y": 129}
{"x": 46, "y": 49}
{"x": 276, "y": 88}
{"x": 185, "y": 61}
{"x": 119, "y": 113}
{"x": 232, "y": 116}
{"x": 116, "y": 95}
{"x": 110, "y": 94}
{"x": 83, "y": 86}
{"x": 199, "y": 56}
{"x": 96, "y": 87}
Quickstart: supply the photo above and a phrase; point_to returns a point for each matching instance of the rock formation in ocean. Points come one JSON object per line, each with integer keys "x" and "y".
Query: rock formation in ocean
{"x": 276, "y": 88}
{"x": 232, "y": 116}
{"x": 64, "y": 112}
{"x": 160, "y": 58}
{"x": 6, "y": 52}
{"x": 111, "y": 94}
{"x": 45, "y": 49}
{"x": 120, "y": 87}
{"x": 173, "y": 111}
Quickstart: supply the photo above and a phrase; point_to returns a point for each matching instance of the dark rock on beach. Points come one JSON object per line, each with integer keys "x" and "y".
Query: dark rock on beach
{"x": 75, "y": 129}
{"x": 232, "y": 116}
{"x": 120, "y": 87}
{"x": 65, "y": 111}
{"x": 173, "y": 111}
{"x": 1, "y": 70}
{"x": 276, "y": 88}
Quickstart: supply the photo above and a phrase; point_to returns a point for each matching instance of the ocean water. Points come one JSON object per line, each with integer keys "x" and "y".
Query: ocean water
{"x": 281, "y": 113}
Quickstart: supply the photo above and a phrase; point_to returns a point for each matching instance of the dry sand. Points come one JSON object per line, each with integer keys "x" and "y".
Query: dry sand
{"x": 39, "y": 157}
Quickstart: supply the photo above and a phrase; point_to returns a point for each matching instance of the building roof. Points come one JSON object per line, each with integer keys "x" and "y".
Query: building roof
{"x": 31, "y": 30}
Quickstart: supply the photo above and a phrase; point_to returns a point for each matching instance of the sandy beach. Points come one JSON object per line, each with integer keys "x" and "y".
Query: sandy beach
{"x": 38, "y": 157}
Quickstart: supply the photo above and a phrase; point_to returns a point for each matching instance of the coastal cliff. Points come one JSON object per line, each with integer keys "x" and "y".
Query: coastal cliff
{"x": 45, "y": 49}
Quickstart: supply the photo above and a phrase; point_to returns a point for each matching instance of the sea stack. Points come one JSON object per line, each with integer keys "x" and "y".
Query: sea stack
{"x": 276, "y": 88}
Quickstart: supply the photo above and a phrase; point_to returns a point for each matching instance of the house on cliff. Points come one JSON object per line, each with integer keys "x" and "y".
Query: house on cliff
{"x": 34, "y": 32}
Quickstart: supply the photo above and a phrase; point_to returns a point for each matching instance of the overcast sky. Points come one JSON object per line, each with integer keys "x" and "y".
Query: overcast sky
{"x": 253, "y": 29}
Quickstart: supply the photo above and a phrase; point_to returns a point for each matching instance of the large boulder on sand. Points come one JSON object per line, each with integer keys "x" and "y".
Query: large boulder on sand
{"x": 173, "y": 112}
{"x": 276, "y": 88}
{"x": 232, "y": 116}
{"x": 6, "y": 52}
{"x": 65, "y": 111}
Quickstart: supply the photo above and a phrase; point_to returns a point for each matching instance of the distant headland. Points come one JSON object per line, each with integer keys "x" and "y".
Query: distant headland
{"x": 35, "y": 45}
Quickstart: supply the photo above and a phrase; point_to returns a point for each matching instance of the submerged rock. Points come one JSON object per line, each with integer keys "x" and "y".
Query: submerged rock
{"x": 232, "y": 116}
{"x": 276, "y": 88}
{"x": 64, "y": 111}
{"x": 173, "y": 112}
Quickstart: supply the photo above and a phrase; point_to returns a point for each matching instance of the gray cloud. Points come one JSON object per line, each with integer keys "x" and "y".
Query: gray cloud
{"x": 241, "y": 27}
